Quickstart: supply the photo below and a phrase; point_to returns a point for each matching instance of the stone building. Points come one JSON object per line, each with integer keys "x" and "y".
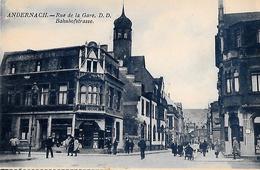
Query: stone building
{"x": 57, "y": 92}
{"x": 214, "y": 122}
{"x": 238, "y": 60}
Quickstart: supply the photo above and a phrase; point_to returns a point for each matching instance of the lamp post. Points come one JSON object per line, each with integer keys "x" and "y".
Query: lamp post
{"x": 34, "y": 91}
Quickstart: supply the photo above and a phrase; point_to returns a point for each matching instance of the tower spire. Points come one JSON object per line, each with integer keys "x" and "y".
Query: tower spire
{"x": 123, "y": 9}
{"x": 220, "y": 10}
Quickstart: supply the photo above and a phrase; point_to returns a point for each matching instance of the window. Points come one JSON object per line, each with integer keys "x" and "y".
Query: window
{"x": 91, "y": 66}
{"x": 119, "y": 35}
{"x": 255, "y": 78}
{"x": 88, "y": 65}
{"x": 83, "y": 94}
{"x": 236, "y": 81}
{"x": 24, "y": 129}
{"x": 142, "y": 107}
{"x": 44, "y": 96}
{"x": 93, "y": 95}
{"x": 63, "y": 94}
{"x": 117, "y": 131}
{"x": 154, "y": 133}
{"x": 241, "y": 135}
{"x": 152, "y": 110}
{"x": 28, "y": 98}
{"x": 125, "y": 35}
{"x": 118, "y": 103}
{"x": 258, "y": 36}
{"x": 12, "y": 68}
{"x": 226, "y": 133}
{"x": 94, "y": 66}
{"x": 238, "y": 40}
{"x": 147, "y": 108}
{"x": 10, "y": 97}
{"x": 38, "y": 66}
{"x": 110, "y": 97}
{"x": 229, "y": 85}
{"x": 170, "y": 122}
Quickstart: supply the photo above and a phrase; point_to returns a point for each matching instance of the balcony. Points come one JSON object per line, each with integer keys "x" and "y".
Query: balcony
{"x": 89, "y": 107}
{"x": 90, "y": 75}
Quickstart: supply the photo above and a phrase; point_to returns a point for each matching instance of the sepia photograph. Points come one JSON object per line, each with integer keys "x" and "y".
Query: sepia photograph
{"x": 129, "y": 84}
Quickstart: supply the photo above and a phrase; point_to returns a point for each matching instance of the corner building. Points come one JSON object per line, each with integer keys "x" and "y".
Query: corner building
{"x": 238, "y": 61}
{"x": 57, "y": 92}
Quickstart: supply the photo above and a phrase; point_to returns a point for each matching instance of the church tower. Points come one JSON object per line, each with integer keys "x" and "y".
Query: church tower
{"x": 122, "y": 43}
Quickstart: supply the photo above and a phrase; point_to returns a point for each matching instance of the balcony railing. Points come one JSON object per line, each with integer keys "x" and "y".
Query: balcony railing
{"x": 91, "y": 107}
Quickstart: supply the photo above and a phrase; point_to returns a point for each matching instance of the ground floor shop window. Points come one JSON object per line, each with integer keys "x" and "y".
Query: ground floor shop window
{"x": 226, "y": 133}
{"x": 24, "y": 129}
{"x": 61, "y": 128}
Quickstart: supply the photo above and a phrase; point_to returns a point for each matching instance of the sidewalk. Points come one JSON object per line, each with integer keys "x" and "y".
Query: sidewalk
{"x": 211, "y": 157}
{"x": 35, "y": 155}
{"x": 17, "y": 157}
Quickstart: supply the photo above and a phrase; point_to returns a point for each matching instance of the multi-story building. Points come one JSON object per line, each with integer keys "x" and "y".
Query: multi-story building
{"x": 56, "y": 92}
{"x": 238, "y": 60}
{"x": 144, "y": 105}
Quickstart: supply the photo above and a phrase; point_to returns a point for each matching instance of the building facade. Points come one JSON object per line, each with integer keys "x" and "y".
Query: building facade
{"x": 57, "y": 92}
{"x": 238, "y": 60}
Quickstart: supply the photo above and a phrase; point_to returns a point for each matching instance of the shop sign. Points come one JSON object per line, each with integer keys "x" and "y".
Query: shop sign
{"x": 68, "y": 130}
{"x": 248, "y": 131}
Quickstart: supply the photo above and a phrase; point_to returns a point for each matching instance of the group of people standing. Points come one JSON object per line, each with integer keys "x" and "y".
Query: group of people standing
{"x": 72, "y": 145}
{"x": 109, "y": 146}
{"x": 129, "y": 146}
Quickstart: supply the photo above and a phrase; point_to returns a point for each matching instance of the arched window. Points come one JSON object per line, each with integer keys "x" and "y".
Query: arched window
{"x": 154, "y": 133}
{"x": 93, "y": 95}
{"x": 83, "y": 94}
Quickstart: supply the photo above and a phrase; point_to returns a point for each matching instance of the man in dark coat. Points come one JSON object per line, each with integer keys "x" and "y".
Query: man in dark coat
{"x": 142, "y": 146}
{"x": 204, "y": 147}
{"x": 127, "y": 145}
{"x": 49, "y": 144}
{"x": 71, "y": 147}
{"x": 180, "y": 149}
{"x": 189, "y": 152}
{"x": 131, "y": 146}
{"x": 174, "y": 149}
{"x": 115, "y": 144}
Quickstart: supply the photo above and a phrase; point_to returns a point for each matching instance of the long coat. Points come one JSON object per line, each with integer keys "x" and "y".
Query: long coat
{"x": 235, "y": 147}
{"x": 142, "y": 144}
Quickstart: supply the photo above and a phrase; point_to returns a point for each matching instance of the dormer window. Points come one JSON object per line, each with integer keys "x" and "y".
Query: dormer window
{"x": 92, "y": 66}
{"x": 12, "y": 68}
{"x": 38, "y": 66}
{"x": 125, "y": 35}
{"x": 119, "y": 35}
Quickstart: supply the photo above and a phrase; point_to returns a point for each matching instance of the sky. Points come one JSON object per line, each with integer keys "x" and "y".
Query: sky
{"x": 175, "y": 36}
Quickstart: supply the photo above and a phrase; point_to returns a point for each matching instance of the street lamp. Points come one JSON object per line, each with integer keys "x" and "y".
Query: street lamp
{"x": 34, "y": 91}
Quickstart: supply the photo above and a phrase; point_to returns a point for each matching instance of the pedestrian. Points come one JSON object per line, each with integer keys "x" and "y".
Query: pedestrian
{"x": 109, "y": 146}
{"x": 49, "y": 144}
{"x": 14, "y": 142}
{"x": 67, "y": 141}
{"x": 142, "y": 146}
{"x": 76, "y": 146}
{"x": 217, "y": 148}
{"x": 115, "y": 144}
{"x": 189, "y": 152}
{"x": 236, "y": 150}
{"x": 204, "y": 147}
{"x": 180, "y": 149}
{"x": 127, "y": 146}
{"x": 131, "y": 146}
{"x": 71, "y": 146}
{"x": 174, "y": 148}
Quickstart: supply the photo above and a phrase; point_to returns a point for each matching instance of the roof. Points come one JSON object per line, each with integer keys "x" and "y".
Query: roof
{"x": 123, "y": 22}
{"x": 233, "y": 18}
{"x": 170, "y": 101}
{"x": 136, "y": 66}
{"x": 197, "y": 116}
